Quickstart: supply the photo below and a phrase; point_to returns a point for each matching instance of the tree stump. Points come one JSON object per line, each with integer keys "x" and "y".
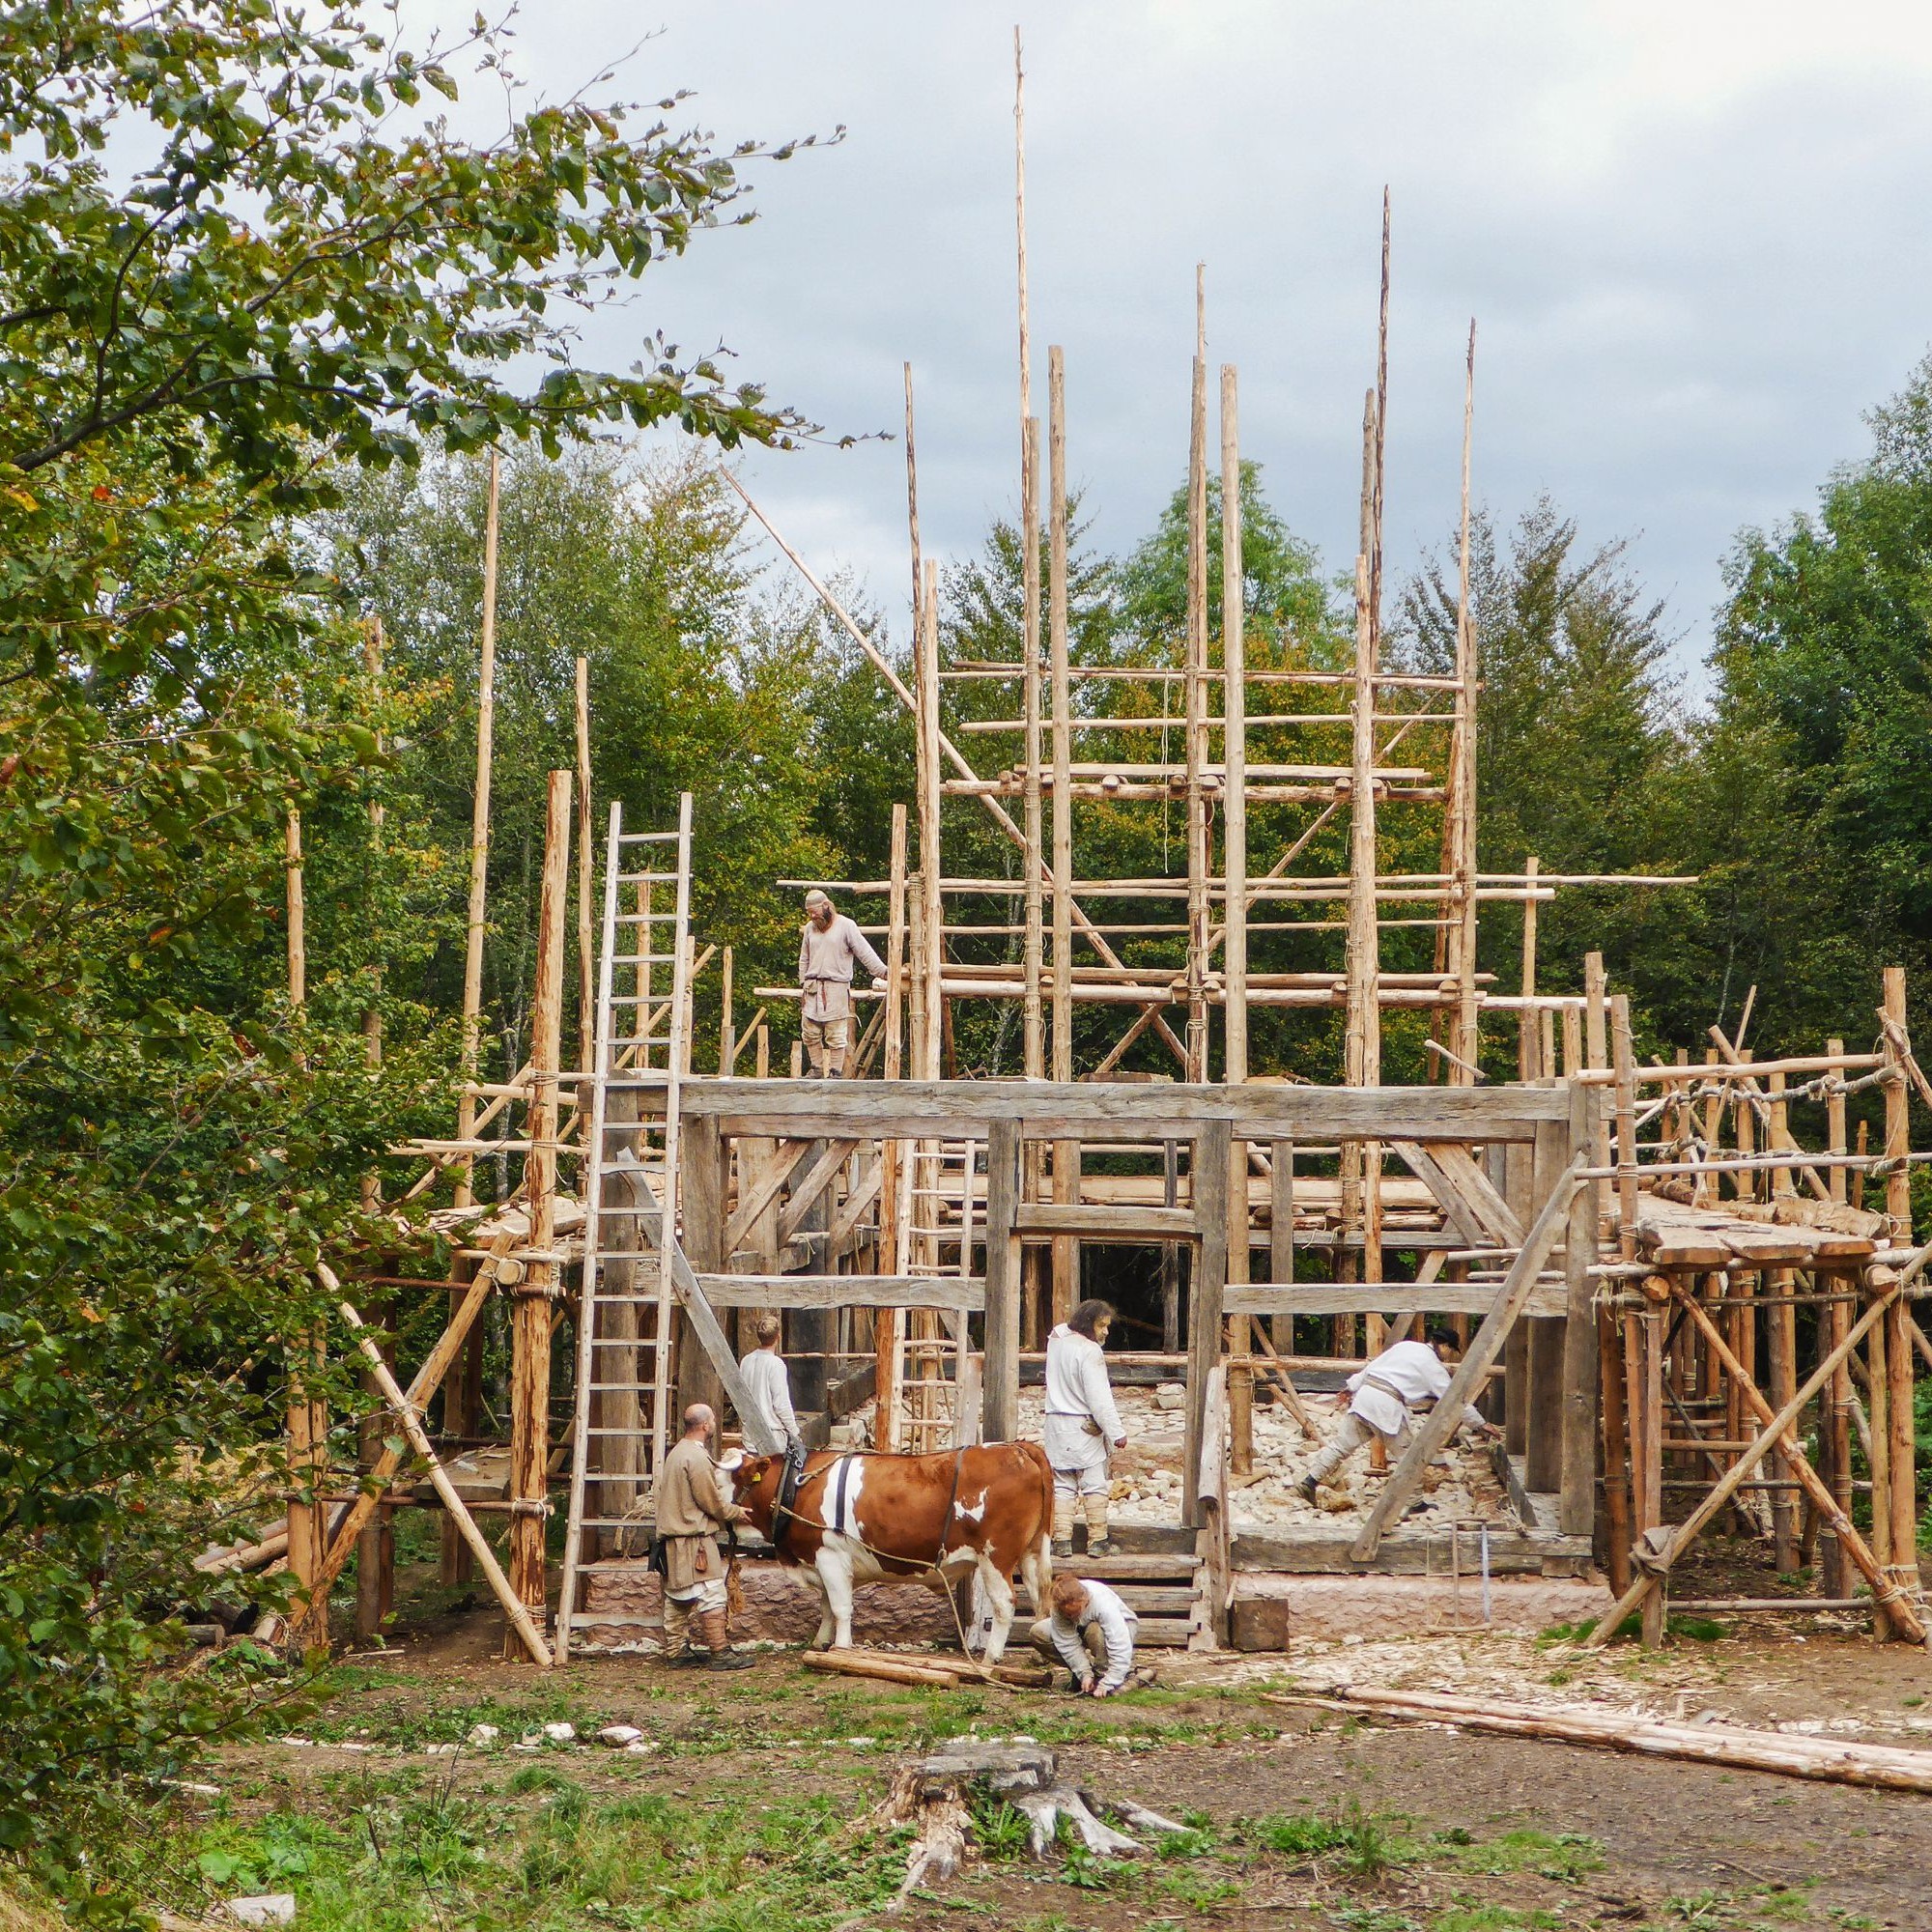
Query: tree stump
{"x": 937, "y": 1793}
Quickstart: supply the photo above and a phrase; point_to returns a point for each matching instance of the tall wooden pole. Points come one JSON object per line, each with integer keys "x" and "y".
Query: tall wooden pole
{"x": 1198, "y": 913}
{"x": 1462, "y": 855}
{"x": 928, "y": 778}
{"x": 308, "y": 1416}
{"x": 1235, "y": 885}
{"x": 479, "y": 849}
{"x": 534, "y": 1294}
{"x": 895, "y": 1179}
{"x": 912, "y": 501}
{"x": 1529, "y": 1039}
{"x": 1033, "y": 1019}
{"x": 376, "y": 1545}
{"x": 587, "y": 843}
{"x": 1898, "y": 1355}
{"x": 1234, "y": 756}
{"x": 1066, "y": 1291}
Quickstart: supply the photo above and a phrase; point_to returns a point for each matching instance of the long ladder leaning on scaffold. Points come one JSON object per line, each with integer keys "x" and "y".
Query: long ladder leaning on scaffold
{"x": 624, "y": 1368}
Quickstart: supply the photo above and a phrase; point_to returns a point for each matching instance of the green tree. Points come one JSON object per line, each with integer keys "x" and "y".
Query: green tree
{"x": 1581, "y": 756}
{"x": 296, "y": 267}
{"x": 1820, "y": 847}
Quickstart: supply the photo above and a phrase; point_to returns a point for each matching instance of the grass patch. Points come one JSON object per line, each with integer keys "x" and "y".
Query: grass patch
{"x": 1566, "y": 1856}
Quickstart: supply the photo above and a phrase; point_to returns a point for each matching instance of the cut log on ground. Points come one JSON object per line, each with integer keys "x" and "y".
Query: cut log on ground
{"x": 1832, "y": 1761}
{"x": 927, "y": 1668}
{"x": 937, "y": 1794}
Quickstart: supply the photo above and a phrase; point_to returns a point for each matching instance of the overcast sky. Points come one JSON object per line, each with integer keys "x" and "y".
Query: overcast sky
{"x": 1693, "y": 238}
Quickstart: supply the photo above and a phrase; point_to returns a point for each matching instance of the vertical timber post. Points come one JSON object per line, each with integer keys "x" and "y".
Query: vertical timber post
{"x": 1001, "y": 1393}
{"x": 540, "y": 1288}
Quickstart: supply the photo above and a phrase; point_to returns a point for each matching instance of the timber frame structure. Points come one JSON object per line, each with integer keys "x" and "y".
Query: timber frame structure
{"x": 1680, "y": 1317}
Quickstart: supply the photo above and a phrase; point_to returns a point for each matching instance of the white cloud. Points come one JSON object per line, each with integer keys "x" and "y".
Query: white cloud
{"x": 1694, "y": 237}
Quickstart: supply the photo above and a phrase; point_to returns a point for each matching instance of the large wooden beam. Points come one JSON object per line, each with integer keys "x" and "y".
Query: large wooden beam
{"x": 1103, "y": 1111}
{"x": 1002, "y": 1381}
{"x": 965, "y": 1293}
{"x": 1106, "y": 1221}
{"x": 1485, "y": 1347}
{"x": 1207, "y": 1295}
{"x": 1381, "y": 1297}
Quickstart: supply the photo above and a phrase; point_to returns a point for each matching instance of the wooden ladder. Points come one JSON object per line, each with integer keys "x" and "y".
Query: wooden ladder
{"x": 625, "y": 1373}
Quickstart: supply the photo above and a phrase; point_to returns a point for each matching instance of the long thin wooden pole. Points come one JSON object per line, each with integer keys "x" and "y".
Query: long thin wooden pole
{"x": 1033, "y": 1019}
{"x": 1382, "y": 432}
{"x": 529, "y": 1366}
{"x": 1835, "y": 1418}
{"x": 376, "y": 1549}
{"x": 1900, "y": 1412}
{"x": 912, "y": 501}
{"x": 586, "y": 843}
{"x": 894, "y": 1203}
{"x": 308, "y": 1418}
{"x": 934, "y": 943}
{"x": 1233, "y": 751}
{"x": 1463, "y": 779}
{"x": 1528, "y": 1054}
{"x": 479, "y": 848}
{"x": 1066, "y": 1251}
{"x": 1033, "y": 1016}
{"x": 1196, "y": 726}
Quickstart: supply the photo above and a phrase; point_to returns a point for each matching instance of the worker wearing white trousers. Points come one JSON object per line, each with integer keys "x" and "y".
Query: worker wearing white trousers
{"x": 1092, "y": 1632}
{"x": 1408, "y": 1375}
{"x": 1082, "y": 1424}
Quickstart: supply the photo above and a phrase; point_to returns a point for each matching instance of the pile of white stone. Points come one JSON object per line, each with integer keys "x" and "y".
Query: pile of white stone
{"x": 1146, "y": 1486}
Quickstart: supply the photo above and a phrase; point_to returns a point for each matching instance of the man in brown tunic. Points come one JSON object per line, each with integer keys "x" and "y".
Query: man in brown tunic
{"x": 691, "y": 1512}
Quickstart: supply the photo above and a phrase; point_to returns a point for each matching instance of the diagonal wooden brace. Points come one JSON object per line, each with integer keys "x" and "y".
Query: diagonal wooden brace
{"x": 1485, "y": 1346}
{"x": 1773, "y": 1436}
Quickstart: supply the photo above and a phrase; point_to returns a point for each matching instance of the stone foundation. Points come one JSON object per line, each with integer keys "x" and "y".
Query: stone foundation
{"x": 780, "y": 1605}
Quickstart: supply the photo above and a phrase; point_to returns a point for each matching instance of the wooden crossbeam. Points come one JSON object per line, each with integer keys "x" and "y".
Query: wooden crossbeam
{"x": 817, "y": 1178}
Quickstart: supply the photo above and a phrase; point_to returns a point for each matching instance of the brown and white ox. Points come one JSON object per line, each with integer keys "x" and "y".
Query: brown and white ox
{"x": 861, "y": 1516}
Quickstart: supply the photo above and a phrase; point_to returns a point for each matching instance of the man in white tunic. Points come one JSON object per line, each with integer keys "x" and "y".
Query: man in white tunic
{"x": 1082, "y": 1424}
{"x": 1092, "y": 1632}
{"x": 827, "y": 949}
{"x": 1408, "y": 1375}
{"x": 771, "y": 1423}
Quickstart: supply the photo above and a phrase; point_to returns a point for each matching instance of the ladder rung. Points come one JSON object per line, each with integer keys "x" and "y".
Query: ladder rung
{"x": 647, "y": 837}
{"x": 646, "y": 917}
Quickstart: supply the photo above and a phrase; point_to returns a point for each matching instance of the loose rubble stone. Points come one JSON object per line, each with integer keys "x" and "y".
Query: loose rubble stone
{"x": 560, "y": 1734}
{"x": 619, "y": 1735}
{"x": 268, "y": 1908}
{"x": 482, "y": 1736}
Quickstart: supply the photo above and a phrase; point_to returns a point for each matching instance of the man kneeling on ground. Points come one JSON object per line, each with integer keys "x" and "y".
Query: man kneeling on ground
{"x": 691, "y": 1509}
{"x": 1089, "y": 1626}
{"x": 1409, "y": 1374}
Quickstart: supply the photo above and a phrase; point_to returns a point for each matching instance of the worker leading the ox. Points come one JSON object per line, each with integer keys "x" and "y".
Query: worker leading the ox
{"x": 827, "y": 949}
{"x": 691, "y": 1512}
{"x": 1406, "y": 1376}
{"x": 1082, "y": 1424}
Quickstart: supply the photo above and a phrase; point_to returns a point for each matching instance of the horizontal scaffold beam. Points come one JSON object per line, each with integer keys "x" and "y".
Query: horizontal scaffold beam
{"x": 965, "y": 1293}
{"x": 1108, "y": 1111}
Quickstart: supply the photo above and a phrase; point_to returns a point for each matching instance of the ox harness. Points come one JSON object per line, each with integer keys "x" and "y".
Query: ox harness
{"x": 792, "y": 1478}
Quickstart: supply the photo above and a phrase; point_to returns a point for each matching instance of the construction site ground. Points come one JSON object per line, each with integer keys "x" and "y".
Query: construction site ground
{"x": 743, "y": 1802}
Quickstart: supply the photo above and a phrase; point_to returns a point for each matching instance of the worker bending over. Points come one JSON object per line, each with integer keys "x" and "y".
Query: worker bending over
{"x": 827, "y": 949}
{"x": 1406, "y": 1376}
{"x": 691, "y": 1509}
{"x": 1092, "y": 1632}
{"x": 1081, "y": 1424}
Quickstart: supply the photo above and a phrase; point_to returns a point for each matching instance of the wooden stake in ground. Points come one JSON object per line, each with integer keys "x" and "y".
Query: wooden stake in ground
{"x": 479, "y": 850}
{"x": 530, "y": 1365}
{"x": 1900, "y": 1413}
